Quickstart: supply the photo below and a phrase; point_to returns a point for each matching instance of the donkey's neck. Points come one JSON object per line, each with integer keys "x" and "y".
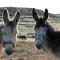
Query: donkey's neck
{"x": 53, "y": 38}
{"x": 50, "y": 27}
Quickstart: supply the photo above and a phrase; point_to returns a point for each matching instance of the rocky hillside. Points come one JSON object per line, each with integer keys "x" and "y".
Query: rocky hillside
{"x": 25, "y": 11}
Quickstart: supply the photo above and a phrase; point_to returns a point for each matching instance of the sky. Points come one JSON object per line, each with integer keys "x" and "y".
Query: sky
{"x": 53, "y": 6}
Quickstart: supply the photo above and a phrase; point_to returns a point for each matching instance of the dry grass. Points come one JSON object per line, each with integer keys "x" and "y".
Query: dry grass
{"x": 26, "y": 50}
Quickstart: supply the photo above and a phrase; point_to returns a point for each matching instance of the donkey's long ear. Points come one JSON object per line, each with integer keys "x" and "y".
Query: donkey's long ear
{"x": 34, "y": 14}
{"x": 5, "y": 16}
{"x": 16, "y": 18}
{"x": 45, "y": 15}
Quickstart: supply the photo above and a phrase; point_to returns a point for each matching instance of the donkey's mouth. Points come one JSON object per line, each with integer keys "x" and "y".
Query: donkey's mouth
{"x": 8, "y": 49}
{"x": 39, "y": 43}
{"x": 9, "y": 52}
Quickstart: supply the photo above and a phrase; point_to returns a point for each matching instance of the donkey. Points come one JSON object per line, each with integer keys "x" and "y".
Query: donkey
{"x": 9, "y": 32}
{"x": 44, "y": 32}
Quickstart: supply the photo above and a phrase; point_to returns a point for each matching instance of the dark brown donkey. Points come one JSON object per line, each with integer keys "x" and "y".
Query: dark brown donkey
{"x": 45, "y": 32}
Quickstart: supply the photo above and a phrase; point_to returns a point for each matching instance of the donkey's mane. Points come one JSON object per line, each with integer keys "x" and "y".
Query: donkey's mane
{"x": 51, "y": 28}
{"x": 53, "y": 38}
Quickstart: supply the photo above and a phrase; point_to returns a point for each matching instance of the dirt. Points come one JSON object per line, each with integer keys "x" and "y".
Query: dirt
{"x": 28, "y": 51}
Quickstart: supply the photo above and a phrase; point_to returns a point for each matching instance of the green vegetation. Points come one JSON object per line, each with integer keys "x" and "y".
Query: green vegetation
{"x": 22, "y": 43}
{"x": 23, "y": 47}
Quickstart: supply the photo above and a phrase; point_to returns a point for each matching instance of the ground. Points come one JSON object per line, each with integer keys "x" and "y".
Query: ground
{"x": 26, "y": 50}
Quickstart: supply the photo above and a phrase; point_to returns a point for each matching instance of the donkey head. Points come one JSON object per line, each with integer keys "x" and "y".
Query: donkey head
{"x": 9, "y": 36}
{"x": 40, "y": 28}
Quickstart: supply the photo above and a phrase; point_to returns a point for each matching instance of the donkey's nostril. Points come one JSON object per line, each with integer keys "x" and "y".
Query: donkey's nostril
{"x": 38, "y": 46}
{"x": 9, "y": 52}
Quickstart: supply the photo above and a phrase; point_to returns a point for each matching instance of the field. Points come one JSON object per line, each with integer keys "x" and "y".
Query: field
{"x": 26, "y": 50}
